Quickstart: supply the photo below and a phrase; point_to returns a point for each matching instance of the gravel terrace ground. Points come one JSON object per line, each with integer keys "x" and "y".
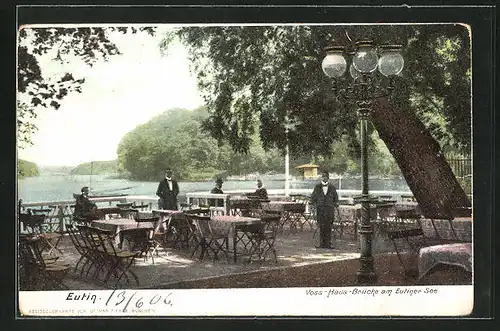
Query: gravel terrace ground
{"x": 299, "y": 265}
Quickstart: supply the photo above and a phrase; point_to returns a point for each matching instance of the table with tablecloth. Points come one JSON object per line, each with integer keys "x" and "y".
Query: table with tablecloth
{"x": 350, "y": 217}
{"x": 243, "y": 206}
{"x": 459, "y": 254}
{"x": 118, "y": 226}
{"x": 235, "y": 227}
{"x": 291, "y": 212}
{"x": 165, "y": 216}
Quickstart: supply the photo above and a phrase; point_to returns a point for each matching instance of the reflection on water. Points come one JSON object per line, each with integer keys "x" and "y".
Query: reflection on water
{"x": 62, "y": 187}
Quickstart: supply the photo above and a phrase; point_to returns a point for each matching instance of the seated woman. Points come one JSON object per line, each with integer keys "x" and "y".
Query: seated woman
{"x": 85, "y": 210}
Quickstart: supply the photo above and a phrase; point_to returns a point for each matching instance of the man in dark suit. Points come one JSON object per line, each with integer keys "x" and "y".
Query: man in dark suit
{"x": 325, "y": 198}
{"x": 168, "y": 189}
{"x": 261, "y": 192}
{"x": 217, "y": 190}
{"x": 85, "y": 210}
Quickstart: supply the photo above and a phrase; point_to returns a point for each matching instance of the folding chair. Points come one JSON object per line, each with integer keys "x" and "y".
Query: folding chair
{"x": 80, "y": 246}
{"x": 34, "y": 225}
{"x": 36, "y": 272}
{"x": 178, "y": 232}
{"x": 206, "y": 239}
{"x": 141, "y": 207}
{"x": 144, "y": 237}
{"x": 263, "y": 236}
{"x": 116, "y": 261}
{"x": 96, "y": 255}
{"x": 406, "y": 234}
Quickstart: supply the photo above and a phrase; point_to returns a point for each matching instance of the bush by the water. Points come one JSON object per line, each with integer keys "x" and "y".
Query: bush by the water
{"x": 26, "y": 169}
{"x": 96, "y": 168}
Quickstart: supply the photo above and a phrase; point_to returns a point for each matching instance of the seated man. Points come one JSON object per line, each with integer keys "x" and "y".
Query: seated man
{"x": 85, "y": 210}
{"x": 261, "y": 192}
{"x": 217, "y": 190}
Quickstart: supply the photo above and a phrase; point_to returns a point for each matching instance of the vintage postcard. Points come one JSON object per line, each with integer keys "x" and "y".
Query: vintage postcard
{"x": 318, "y": 169}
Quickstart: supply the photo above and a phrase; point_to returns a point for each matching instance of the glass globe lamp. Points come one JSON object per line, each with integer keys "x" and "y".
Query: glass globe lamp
{"x": 391, "y": 62}
{"x": 334, "y": 64}
{"x": 366, "y": 59}
{"x": 353, "y": 72}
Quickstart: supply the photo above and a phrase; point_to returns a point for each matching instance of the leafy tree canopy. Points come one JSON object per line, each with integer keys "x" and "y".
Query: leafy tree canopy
{"x": 35, "y": 88}
{"x": 268, "y": 73}
{"x": 96, "y": 168}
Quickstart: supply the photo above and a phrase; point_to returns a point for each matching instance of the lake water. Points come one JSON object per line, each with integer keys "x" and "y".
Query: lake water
{"x": 62, "y": 187}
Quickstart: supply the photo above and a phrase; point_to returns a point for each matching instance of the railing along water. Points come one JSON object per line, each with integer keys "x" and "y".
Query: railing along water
{"x": 60, "y": 213}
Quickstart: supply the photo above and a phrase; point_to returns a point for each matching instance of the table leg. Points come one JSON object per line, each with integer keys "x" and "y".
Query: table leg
{"x": 120, "y": 236}
{"x": 453, "y": 229}
{"x": 234, "y": 244}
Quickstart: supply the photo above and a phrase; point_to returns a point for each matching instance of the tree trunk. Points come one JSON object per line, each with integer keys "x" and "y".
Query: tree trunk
{"x": 421, "y": 161}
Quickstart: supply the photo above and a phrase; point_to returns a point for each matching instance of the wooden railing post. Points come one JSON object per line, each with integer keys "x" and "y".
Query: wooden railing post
{"x": 61, "y": 216}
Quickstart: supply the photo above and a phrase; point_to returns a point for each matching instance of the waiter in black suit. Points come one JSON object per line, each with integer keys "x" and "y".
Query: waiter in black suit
{"x": 325, "y": 198}
{"x": 168, "y": 189}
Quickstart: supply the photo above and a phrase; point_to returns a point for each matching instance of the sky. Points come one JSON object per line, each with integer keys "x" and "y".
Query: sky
{"x": 117, "y": 95}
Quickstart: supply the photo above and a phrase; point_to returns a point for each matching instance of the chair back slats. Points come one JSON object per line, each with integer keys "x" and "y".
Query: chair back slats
{"x": 142, "y": 206}
{"x": 32, "y": 223}
{"x": 153, "y": 220}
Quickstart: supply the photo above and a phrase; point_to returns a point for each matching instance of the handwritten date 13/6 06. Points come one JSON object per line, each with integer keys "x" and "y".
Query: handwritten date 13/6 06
{"x": 124, "y": 299}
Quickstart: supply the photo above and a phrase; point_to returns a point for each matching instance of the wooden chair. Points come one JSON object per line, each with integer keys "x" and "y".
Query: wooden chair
{"x": 34, "y": 224}
{"x": 37, "y": 273}
{"x": 81, "y": 247}
{"x": 208, "y": 241}
{"x": 178, "y": 232}
{"x": 144, "y": 237}
{"x": 263, "y": 237}
{"x": 141, "y": 207}
{"x": 113, "y": 261}
{"x": 407, "y": 235}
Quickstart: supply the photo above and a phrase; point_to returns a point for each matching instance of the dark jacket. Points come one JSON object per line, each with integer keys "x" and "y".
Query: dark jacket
{"x": 83, "y": 205}
{"x": 320, "y": 200}
{"x": 261, "y": 193}
{"x": 168, "y": 198}
{"x": 216, "y": 202}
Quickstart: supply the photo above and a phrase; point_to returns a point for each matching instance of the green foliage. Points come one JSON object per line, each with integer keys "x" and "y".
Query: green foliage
{"x": 25, "y": 126}
{"x": 258, "y": 74}
{"x": 175, "y": 139}
{"x": 96, "y": 168}
{"x": 90, "y": 44}
{"x": 26, "y": 169}
{"x": 466, "y": 184}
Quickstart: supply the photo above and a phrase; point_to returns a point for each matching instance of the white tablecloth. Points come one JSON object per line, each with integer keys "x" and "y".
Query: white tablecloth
{"x": 450, "y": 254}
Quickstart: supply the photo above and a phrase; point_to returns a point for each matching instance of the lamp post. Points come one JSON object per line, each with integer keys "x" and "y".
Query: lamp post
{"x": 364, "y": 61}
{"x": 290, "y": 124}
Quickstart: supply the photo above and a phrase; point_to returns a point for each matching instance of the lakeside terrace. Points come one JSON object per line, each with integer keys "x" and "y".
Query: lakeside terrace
{"x": 58, "y": 213}
{"x": 299, "y": 264}
{"x": 174, "y": 268}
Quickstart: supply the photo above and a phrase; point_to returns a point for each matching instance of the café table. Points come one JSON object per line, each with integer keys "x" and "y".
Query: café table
{"x": 118, "y": 226}
{"x": 291, "y": 212}
{"x": 243, "y": 206}
{"x": 234, "y": 226}
{"x": 458, "y": 254}
{"x": 352, "y": 214}
{"x": 167, "y": 217}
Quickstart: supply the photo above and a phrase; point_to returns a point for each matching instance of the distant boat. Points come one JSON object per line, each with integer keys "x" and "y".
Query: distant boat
{"x": 109, "y": 195}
